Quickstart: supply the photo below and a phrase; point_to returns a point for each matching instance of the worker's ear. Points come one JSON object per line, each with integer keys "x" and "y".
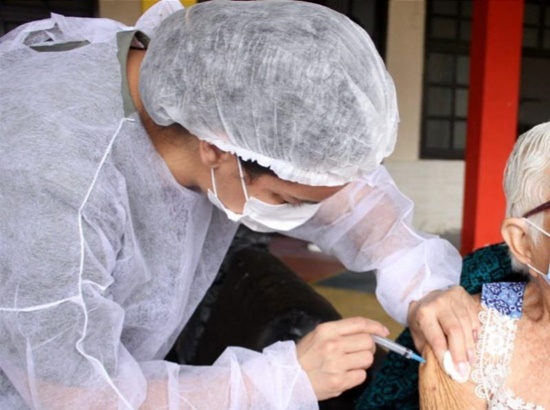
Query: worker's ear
{"x": 211, "y": 156}
{"x": 515, "y": 232}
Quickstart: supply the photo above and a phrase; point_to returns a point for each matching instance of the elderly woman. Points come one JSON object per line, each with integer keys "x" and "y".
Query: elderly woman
{"x": 512, "y": 350}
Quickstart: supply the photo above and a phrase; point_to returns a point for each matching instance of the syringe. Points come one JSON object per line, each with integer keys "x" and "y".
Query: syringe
{"x": 397, "y": 348}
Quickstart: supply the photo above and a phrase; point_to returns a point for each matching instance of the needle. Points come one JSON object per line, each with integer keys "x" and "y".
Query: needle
{"x": 397, "y": 348}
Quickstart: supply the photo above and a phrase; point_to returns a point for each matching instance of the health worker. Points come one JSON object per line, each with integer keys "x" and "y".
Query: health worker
{"x": 130, "y": 156}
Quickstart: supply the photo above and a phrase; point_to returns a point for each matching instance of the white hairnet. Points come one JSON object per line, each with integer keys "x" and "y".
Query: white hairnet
{"x": 150, "y": 20}
{"x": 295, "y": 86}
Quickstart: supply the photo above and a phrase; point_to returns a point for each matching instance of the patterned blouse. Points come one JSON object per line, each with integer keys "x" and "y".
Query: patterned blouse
{"x": 502, "y": 305}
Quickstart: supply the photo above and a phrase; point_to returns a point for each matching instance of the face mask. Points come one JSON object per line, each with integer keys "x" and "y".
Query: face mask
{"x": 261, "y": 216}
{"x": 547, "y": 274}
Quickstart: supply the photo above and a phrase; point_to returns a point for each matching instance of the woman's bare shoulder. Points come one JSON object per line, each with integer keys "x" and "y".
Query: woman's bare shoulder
{"x": 439, "y": 391}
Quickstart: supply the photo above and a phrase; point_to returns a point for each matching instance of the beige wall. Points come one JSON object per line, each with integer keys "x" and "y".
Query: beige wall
{"x": 405, "y": 62}
{"x": 125, "y": 11}
{"x": 436, "y": 187}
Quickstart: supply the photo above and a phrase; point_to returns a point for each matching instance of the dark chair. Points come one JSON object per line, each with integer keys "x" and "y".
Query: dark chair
{"x": 255, "y": 301}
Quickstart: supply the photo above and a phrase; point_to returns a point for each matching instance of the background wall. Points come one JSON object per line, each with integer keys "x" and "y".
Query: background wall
{"x": 436, "y": 189}
{"x": 435, "y": 186}
{"x": 125, "y": 11}
{"x": 128, "y": 11}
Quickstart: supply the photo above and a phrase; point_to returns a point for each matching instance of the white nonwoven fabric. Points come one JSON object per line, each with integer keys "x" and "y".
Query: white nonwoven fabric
{"x": 308, "y": 97}
{"x": 104, "y": 257}
{"x": 155, "y": 14}
{"x": 368, "y": 225}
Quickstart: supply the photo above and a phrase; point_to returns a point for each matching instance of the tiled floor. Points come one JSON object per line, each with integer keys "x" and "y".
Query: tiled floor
{"x": 351, "y": 293}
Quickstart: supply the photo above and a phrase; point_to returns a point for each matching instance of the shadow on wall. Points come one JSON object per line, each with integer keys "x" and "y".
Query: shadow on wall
{"x": 453, "y": 236}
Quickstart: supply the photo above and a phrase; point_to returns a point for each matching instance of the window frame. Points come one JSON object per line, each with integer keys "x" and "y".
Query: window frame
{"x": 455, "y": 47}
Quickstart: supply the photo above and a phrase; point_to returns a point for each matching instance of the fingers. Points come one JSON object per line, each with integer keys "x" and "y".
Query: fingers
{"x": 338, "y": 383}
{"x": 435, "y": 337}
{"x": 333, "y": 345}
{"x": 354, "y": 325}
{"x": 476, "y": 326}
{"x": 341, "y": 374}
{"x": 459, "y": 330}
{"x": 355, "y": 378}
{"x": 336, "y": 354}
{"x": 360, "y": 343}
{"x": 424, "y": 324}
{"x": 356, "y": 361}
{"x": 448, "y": 321}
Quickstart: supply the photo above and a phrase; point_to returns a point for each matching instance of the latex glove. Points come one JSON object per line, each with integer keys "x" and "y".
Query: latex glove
{"x": 335, "y": 355}
{"x": 448, "y": 321}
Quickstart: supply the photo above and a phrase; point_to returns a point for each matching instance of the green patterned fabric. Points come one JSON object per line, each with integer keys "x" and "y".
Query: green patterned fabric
{"x": 395, "y": 385}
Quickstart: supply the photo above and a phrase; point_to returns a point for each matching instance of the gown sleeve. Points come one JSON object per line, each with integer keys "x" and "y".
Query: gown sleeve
{"x": 367, "y": 226}
{"x": 60, "y": 326}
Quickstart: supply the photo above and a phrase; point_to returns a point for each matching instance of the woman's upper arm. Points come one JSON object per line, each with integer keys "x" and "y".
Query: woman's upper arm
{"x": 438, "y": 391}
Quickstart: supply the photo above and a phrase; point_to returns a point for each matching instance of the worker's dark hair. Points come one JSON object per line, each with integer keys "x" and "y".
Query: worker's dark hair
{"x": 252, "y": 168}
{"x": 255, "y": 170}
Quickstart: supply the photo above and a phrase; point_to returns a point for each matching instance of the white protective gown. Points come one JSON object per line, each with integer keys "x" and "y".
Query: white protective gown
{"x": 104, "y": 257}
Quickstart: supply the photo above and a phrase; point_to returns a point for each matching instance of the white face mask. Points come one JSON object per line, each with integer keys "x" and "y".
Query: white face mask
{"x": 261, "y": 216}
{"x": 547, "y": 274}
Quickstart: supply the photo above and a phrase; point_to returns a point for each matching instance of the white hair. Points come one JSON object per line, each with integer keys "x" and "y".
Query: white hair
{"x": 526, "y": 183}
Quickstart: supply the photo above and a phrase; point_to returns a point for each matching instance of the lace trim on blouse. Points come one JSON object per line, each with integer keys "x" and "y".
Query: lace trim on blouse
{"x": 502, "y": 305}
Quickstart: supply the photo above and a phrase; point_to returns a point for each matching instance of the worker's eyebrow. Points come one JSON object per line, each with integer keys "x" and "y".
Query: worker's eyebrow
{"x": 305, "y": 201}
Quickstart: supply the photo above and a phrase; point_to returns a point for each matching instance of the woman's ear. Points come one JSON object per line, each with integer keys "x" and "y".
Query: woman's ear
{"x": 515, "y": 233}
{"x": 211, "y": 156}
